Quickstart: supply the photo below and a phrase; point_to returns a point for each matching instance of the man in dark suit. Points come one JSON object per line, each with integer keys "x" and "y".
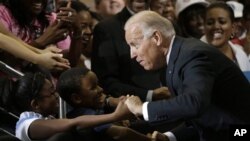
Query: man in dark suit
{"x": 209, "y": 91}
{"x": 117, "y": 73}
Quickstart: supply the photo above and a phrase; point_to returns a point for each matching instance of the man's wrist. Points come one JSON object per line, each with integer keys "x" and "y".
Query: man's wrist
{"x": 149, "y": 95}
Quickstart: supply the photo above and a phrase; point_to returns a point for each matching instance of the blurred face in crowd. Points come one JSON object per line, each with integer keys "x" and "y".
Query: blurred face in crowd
{"x": 247, "y": 22}
{"x": 196, "y": 22}
{"x": 166, "y": 8}
{"x": 47, "y": 101}
{"x": 146, "y": 51}
{"x": 110, "y": 7}
{"x": 35, "y": 6}
{"x": 239, "y": 27}
{"x": 86, "y": 26}
{"x": 91, "y": 95}
{"x": 137, "y": 5}
{"x": 218, "y": 27}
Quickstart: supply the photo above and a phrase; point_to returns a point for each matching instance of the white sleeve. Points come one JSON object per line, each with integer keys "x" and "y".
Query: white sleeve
{"x": 149, "y": 95}
{"x": 145, "y": 111}
{"x": 23, "y": 125}
{"x": 170, "y": 136}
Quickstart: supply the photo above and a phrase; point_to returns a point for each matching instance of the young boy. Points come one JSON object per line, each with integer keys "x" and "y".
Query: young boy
{"x": 79, "y": 88}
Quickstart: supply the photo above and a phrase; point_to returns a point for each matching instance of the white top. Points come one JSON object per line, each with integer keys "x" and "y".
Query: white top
{"x": 23, "y": 124}
{"x": 170, "y": 135}
{"x": 241, "y": 57}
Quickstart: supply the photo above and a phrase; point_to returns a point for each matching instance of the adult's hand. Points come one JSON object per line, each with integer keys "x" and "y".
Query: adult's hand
{"x": 134, "y": 104}
{"x": 53, "y": 61}
{"x": 161, "y": 93}
{"x": 50, "y": 48}
{"x": 53, "y": 34}
{"x": 157, "y": 136}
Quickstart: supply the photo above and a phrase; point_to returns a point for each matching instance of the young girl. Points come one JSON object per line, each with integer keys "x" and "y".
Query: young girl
{"x": 35, "y": 96}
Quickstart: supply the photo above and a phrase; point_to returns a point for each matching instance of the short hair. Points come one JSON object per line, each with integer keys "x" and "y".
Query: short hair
{"x": 28, "y": 88}
{"x": 97, "y": 2}
{"x": 70, "y": 82}
{"x": 76, "y": 5}
{"x": 221, "y": 5}
{"x": 150, "y": 21}
{"x": 246, "y": 11}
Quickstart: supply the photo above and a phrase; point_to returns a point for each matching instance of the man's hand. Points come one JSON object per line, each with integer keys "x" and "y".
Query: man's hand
{"x": 161, "y": 93}
{"x": 53, "y": 61}
{"x": 134, "y": 104}
{"x": 157, "y": 136}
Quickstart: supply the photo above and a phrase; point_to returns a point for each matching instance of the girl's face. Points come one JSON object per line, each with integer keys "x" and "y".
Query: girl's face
{"x": 218, "y": 27}
{"x": 35, "y": 6}
{"x": 47, "y": 101}
{"x": 92, "y": 94}
{"x": 86, "y": 26}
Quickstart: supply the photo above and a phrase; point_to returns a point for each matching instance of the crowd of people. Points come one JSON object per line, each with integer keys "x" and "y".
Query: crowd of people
{"x": 153, "y": 70}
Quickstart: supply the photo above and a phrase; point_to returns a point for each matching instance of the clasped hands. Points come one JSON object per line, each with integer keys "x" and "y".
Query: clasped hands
{"x": 133, "y": 104}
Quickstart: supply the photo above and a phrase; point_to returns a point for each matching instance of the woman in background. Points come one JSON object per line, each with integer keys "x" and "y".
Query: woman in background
{"x": 219, "y": 24}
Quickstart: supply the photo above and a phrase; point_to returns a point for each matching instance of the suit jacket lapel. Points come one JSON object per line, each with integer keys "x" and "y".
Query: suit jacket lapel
{"x": 171, "y": 64}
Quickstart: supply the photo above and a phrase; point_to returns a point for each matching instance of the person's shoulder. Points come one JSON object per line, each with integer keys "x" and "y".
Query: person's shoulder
{"x": 29, "y": 115}
{"x": 108, "y": 23}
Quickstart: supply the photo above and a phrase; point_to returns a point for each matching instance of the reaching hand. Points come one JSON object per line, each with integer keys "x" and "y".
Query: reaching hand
{"x": 134, "y": 105}
{"x": 53, "y": 34}
{"x": 122, "y": 112}
{"x": 157, "y": 136}
{"x": 53, "y": 61}
{"x": 52, "y": 49}
{"x": 161, "y": 93}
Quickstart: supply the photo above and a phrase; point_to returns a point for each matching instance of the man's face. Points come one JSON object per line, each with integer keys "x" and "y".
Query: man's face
{"x": 144, "y": 50}
{"x": 110, "y": 7}
{"x": 137, "y": 5}
{"x": 35, "y": 6}
{"x": 166, "y": 8}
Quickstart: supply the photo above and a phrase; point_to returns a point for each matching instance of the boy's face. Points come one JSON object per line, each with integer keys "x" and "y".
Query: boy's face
{"x": 92, "y": 94}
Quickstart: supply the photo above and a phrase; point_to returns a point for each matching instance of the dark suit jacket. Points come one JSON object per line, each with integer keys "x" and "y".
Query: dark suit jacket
{"x": 210, "y": 90}
{"x": 117, "y": 73}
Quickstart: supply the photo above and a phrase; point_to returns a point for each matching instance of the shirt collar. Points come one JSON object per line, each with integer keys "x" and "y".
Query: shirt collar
{"x": 170, "y": 49}
{"x": 130, "y": 11}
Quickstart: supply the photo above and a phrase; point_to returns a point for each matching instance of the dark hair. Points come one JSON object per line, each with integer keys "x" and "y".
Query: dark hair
{"x": 78, "y": 6}
{"x": 222, "y": 5}
{"x": 69, "y": 82}
{"x": 28, "y": 88}
{"x": 22, "y": 15}
{"x": 186, "y": 15}
{"x": 17, "y": 95}
{"x": 6, "y": 94}
{"x": 246, "y": 11}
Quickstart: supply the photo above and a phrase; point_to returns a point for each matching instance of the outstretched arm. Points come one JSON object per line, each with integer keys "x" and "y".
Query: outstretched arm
{"x": 4, "y": 31}
{"x": 125, "y": 134}
{"x": 41, "y": 129}
{"x": 48, "y": 60}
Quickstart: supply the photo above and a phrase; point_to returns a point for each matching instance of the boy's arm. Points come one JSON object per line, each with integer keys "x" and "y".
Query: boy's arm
{"x": 125, "y": 134}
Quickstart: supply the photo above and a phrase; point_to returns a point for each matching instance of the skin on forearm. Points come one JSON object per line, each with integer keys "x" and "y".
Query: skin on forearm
{"x": 42, "y": 129}
{"x": 17, "y": 49}
{"x": 87, "y": 121}
{"x": 74, "y": 53}
{"x": 125, "y": 134}
{"x": 4, "y": 31}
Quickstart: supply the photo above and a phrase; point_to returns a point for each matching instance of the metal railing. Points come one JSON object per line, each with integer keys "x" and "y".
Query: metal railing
{"x": 17, "y": 74}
